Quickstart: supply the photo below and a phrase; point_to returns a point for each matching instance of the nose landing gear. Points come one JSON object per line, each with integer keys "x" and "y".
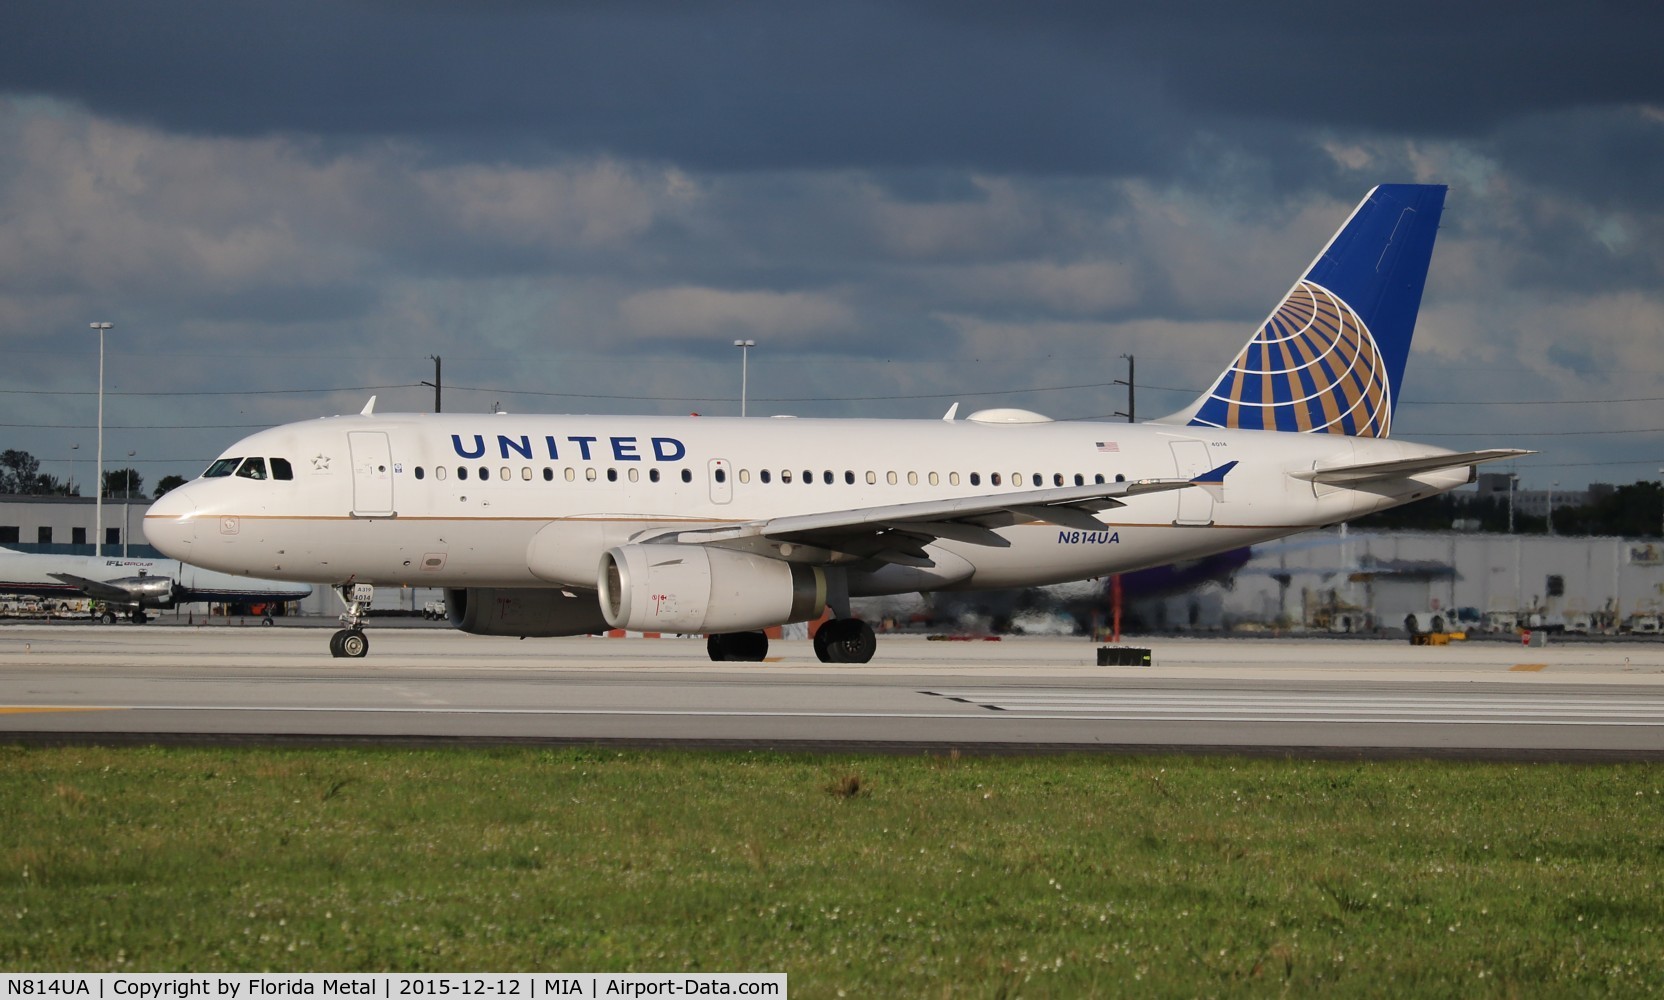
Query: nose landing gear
{"x": 351, "y": 641}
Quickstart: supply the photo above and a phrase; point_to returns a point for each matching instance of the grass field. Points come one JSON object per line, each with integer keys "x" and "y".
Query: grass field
{"x": 871, "y": 876}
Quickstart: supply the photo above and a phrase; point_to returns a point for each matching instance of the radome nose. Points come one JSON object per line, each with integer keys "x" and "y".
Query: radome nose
{"x": 170, "y": 524}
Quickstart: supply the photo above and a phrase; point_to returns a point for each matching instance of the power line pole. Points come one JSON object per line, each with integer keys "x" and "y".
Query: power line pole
{"x": 436, "y": 382}
{"x": 1131, "y": 383}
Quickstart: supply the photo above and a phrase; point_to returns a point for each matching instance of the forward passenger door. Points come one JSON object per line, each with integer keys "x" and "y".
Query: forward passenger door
{"x": 372, "y": 474}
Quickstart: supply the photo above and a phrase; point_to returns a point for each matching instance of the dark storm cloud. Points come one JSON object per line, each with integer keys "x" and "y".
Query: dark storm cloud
{"x": 750, "y": 86}
{"x": 1038, "y": 87}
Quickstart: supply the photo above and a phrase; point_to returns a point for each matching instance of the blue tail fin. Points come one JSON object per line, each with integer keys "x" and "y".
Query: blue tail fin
{"x": 1330, "y": 358}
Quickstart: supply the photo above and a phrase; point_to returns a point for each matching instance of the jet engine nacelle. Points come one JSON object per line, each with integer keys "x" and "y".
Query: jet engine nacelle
{"x": 147, "y": 591}
{"x": 695, "y": 588}
{"x": 523, "y": 611}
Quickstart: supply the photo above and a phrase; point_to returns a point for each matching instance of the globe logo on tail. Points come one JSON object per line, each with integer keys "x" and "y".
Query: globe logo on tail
{"x": 1313, "y": 367}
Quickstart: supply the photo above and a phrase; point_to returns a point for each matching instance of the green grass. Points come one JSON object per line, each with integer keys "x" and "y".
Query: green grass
{"x": 878, "y": 876}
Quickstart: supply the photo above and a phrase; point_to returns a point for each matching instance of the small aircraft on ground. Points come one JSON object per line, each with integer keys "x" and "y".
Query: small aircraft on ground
{"x": 133, "y": 586}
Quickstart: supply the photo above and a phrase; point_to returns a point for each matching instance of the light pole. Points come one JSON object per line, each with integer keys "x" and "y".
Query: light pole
{"x": 127, "y": 503}
{"x": 1551, "y": 488}
{"x": 98, "y": 474}
{"x": 1513, "y": 481}
{"x": 1661, "y": 506}
{"x": 745, "y": 347}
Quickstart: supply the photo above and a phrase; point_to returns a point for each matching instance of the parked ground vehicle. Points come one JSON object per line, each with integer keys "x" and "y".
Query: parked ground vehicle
{"x": 1443, "y": 620}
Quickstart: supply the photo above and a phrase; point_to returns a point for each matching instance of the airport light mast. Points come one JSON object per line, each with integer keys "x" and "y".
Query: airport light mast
{"x": 745, "y": 347}
{"x": 98, "y": 476}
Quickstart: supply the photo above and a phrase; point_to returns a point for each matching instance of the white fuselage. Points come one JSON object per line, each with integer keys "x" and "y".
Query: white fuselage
{"x": 453, "y": 500}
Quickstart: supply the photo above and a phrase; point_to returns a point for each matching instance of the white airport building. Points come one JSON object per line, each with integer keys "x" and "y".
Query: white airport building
{"x": 1354, "y": 581}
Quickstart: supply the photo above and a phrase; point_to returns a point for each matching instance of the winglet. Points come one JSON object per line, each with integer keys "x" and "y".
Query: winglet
{"x": 369, "y": 408}
{"x": 1213, "y": 481}
{"x": 951, "y": 411}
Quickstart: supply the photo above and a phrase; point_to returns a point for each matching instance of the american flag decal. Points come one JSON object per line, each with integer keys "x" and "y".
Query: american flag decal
{"x": 1109, "y": 446}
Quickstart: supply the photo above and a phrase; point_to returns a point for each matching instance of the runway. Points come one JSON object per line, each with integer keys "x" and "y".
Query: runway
{"x": 161, "y": 683}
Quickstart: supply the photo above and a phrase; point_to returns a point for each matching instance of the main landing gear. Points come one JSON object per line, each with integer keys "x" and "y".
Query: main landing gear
{"x": 840, "y": 640}
{"x": 351, "y": 641}
{"x": 845, "y": 640}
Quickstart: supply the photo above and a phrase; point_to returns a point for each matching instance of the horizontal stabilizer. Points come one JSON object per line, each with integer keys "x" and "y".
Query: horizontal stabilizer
{"x": 1348, "y": 475}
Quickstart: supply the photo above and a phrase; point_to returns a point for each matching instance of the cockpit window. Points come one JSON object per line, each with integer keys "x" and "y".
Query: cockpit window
{"x": 254, "y": 468}
{"x": 222, "y": 467}
{"x": 281, "y": 469}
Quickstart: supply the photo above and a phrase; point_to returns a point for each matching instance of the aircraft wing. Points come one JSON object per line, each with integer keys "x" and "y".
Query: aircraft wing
{"x": 898, "y": 533}
{"x": 1375, "y": 471}
{"x": 95, "y": 589}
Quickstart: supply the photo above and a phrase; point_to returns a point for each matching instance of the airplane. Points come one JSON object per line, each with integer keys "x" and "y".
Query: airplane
{"x": 562, "y": 525}
{"x": 133, "y": 585}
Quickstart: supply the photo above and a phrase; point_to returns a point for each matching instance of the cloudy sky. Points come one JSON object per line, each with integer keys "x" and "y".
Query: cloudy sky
{"x": 288, "y": 206}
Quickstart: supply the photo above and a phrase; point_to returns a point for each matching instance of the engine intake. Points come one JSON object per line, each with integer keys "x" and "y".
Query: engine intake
{"x": 695, "y": 588}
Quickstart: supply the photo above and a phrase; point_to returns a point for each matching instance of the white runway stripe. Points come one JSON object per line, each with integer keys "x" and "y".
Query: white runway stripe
{"x": 1249, "y": 706}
